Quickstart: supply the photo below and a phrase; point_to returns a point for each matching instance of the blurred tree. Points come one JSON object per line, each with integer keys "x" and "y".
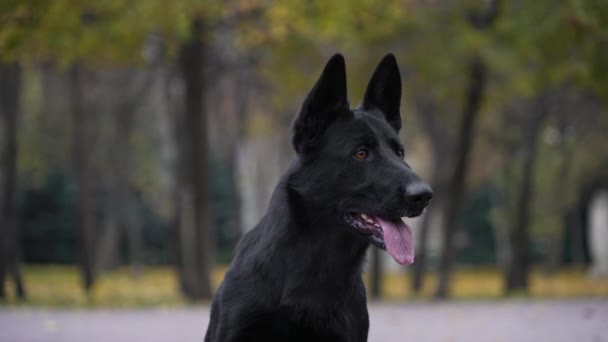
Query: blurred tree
{"x": 429, "y": 115}
{"x": 10, "y": 91}
{"x": 80, "y": 34}
{"x": 556, "y": 57}
{"x": 477, "y": 78}
{"x": 196, "y": 242}
{"x": 72, "y": 34}
{"x": 556, "y": 155}
{"x": 517, "y": 272}
{"x": 523, "y": 65}
{"x": 439, "y": 30}
{"x": 122, "y": 213}
{"x": 84, "y": 201}
{"x": 96, "y": 35}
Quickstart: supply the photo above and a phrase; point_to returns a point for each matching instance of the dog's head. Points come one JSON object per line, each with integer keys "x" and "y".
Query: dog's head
{"x": 352, "y": 160}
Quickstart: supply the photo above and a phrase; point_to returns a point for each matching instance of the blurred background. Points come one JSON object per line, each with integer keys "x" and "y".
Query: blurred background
{"x": 140, "y": 139}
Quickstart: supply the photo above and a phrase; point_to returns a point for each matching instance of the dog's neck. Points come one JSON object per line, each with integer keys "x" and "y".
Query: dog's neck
{"x": 311, "y": 227}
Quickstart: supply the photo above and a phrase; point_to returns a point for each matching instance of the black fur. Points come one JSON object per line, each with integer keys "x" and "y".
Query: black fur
{"x": 296, "y": 276}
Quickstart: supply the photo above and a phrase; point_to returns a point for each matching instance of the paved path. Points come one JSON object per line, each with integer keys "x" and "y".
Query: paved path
{"x": 521, "y": 320}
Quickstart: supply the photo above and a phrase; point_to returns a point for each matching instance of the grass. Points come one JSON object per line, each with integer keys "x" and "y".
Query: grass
{"x": 59, "y": 286}
{"x": 487, "y": 283}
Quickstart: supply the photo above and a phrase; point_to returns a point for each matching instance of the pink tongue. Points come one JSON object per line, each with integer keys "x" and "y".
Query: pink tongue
{"x": 399, "y": 241}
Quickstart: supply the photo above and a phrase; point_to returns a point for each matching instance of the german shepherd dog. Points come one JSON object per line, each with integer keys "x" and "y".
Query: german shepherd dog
{"x": 296, "y": 276}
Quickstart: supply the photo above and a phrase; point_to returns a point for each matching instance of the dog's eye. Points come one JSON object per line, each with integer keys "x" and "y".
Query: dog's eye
{"x": 400, "y": 153}
{"x": 360, "y": 154}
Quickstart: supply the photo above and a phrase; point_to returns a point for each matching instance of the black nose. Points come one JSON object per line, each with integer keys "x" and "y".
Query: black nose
{"x": 418, "y": 194}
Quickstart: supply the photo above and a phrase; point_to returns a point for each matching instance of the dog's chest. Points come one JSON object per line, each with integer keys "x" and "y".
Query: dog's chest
{"x": 320, "y": 323}
{"x": 331, "y": 311}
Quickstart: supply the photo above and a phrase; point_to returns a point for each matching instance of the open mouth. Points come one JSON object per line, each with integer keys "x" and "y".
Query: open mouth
{"x": 392, "y": 234}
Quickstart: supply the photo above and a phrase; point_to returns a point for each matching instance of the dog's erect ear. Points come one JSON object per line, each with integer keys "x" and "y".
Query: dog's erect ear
{"x": 384, "y": 91}
{"x": 325, "y": 102}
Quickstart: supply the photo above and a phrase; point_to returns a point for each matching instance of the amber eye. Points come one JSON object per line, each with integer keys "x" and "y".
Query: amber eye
{"x": 361, "y": 154}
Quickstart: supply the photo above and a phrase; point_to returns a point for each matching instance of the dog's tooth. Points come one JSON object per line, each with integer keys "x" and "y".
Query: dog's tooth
{"x": 364, "y": 216}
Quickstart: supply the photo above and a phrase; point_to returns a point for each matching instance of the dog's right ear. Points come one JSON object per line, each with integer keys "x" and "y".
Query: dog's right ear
{"x": 325, "y": 102}
{"x": 384, "y": 91}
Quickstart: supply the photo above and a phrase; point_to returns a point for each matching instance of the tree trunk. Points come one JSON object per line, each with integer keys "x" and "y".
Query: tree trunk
{"x": 575, "y": 224}
{"x": 128, "y": 215}
{"x": 428, "y": 115}
{"x": 85, "y": 215}
{"x": 517, "y": 273}
{"x": 479, "y": 20}
{"x": 123, "y": 216}
{"x": 435, "y": 208}
{"x": 122, "y": 212}
{"x": 501, "y": 224}
{"x": 107, "y": 251}
{"x": 419, "y": 267}
{"x": 175, "y": 154}
{"x": 243, "y": 104}
{"x": 456, "y": 188}
{"x": 196, "y": 233}
{"x": 555, "y": 251}
{"x": 240, "y": 94}
{"x": 556, "y": 243}
{"x": 10, "y": 87}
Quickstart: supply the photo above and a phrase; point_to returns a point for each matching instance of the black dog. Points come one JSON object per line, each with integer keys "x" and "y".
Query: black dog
{"x": 297, "y": 275}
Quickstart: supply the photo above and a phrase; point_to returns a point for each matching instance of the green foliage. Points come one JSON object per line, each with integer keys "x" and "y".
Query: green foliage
{"x": 225, "y": 202}
{"x": 296, "y": 37}
{"x": 66, "y": 30}
{"x": 47, "y": 222}
{"x": 480, "y": 246}
{"x": 98, "y": 33}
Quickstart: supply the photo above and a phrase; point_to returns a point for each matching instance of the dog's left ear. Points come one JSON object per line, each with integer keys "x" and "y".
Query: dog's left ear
{"x": 326, "y": 101}
{"x": 384, "y": 91}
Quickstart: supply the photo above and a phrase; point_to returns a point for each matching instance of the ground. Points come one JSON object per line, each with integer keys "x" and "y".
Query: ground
{"x": 509, "y": 320}
{"x": 567, "y": 306}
